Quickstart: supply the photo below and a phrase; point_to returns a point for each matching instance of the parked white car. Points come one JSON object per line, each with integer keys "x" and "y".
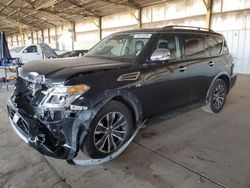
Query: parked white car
{"x": 33, "y": 52}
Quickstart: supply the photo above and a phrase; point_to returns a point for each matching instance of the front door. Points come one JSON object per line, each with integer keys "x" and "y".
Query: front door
{"x": 164, "y": 84}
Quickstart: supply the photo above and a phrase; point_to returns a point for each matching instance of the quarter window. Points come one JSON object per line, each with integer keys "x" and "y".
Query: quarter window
{"x": 215, "y": 45}
{"x": 194, "y": 46}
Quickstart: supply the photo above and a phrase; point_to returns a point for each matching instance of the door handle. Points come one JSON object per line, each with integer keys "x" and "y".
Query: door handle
{"x": 182, "y": 69}
{"x": 211, "y": 63}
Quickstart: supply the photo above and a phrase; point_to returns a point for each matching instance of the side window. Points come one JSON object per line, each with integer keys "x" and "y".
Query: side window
{"x": 134, "y": 46}
{"x": 194, "y": 46}
{"x": 215, "y": 45}
{"x": 172, "y": 43}
{"x": 30, "y": 49}
{"x": 138, "y": 45}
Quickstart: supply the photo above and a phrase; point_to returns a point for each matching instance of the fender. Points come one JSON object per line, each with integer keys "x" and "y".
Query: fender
{"x": 223, "y": 73}
{"x": 126, "y": 96}
{"x": 93, "y": 107}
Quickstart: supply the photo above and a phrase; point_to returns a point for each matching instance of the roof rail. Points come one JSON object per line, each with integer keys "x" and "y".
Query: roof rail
{"x": 187, "y": 27}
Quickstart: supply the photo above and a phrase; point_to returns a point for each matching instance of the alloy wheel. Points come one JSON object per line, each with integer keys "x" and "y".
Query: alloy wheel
{"x": 219, "y": 96}
{"x": 110, "y": 132}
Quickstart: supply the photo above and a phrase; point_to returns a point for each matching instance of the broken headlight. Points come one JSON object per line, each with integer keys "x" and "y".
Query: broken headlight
{"x": 59, "y": 96}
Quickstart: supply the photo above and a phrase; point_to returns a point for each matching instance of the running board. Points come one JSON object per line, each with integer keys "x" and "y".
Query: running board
{"x": 93, "y": 162}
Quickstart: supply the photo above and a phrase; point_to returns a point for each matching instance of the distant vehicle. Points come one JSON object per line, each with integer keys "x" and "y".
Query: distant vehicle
{"x": 33, "y": 52}
{"x": 75, "y": 53}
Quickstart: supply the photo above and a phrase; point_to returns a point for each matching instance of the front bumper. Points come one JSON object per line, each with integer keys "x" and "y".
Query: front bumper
{"x": 57, "y": 139}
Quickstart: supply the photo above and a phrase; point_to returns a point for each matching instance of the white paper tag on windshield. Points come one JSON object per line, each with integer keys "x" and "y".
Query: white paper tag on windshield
{"x": 142, "y": 36}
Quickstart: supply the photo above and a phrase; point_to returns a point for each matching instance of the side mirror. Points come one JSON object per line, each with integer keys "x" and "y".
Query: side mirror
{"x": 160, "y": 54}
{"x": 25, "y": 51}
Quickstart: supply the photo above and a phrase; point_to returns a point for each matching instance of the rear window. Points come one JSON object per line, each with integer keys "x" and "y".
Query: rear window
{"x": 214, "y": 44}
{"x": 194, "y": 46}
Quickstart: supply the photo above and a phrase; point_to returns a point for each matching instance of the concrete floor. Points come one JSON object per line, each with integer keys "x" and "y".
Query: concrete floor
{"x": 192, "y": 150}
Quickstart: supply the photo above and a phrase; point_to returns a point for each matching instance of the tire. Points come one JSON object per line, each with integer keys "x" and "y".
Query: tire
{"x": 217, "y": 97}
{"x": 110, "y": 129}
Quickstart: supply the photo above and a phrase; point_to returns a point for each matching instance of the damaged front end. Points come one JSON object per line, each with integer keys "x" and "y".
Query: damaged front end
{"x": 55, "y": 119}
{"x": 42, "y": 114}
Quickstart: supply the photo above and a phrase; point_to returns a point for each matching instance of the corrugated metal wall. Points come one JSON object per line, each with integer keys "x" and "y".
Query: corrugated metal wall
{"x": 230, "y": 17}
{"x": 239, "y": 45}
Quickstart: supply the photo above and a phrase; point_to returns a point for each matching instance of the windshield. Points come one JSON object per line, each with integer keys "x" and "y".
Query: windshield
{"x": 120, "y": 46}
{"x": 17, "y": 49}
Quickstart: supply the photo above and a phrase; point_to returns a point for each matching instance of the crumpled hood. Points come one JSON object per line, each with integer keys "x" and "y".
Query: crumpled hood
{"x": 61, "y": 69}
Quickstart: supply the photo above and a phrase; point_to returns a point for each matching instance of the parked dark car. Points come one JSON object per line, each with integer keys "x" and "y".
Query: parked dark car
{"x": 95, "y": 103}
{"x": 74, "y": 53}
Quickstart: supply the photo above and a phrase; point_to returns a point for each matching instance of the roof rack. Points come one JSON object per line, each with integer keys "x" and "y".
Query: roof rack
{"x": 187, "y": 27}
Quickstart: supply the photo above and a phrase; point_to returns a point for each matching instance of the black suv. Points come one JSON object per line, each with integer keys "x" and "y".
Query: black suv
{"x": 96, "y": 103}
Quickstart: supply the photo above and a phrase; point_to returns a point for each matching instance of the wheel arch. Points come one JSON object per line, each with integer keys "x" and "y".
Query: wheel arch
{"x": 226, "y": 79}
{"x": 125, "y": 97}
{"x": 134, "y": 108}
{"x": 222, "y": 75}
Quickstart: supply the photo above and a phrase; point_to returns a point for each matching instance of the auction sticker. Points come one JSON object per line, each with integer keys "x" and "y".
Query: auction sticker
{"x": 142, "y": 36}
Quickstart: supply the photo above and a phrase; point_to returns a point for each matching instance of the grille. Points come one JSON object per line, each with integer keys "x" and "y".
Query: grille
{"x": 11, "y": 113}
{"x": 23, "y": 126}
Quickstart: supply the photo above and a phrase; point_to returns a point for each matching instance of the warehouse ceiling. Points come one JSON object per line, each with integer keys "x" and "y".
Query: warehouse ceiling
{"x": 16, "y": 15}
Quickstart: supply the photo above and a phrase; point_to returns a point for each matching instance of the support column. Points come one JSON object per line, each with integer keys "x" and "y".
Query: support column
{"x": 42, "y": 36}
{"x": 100, "y": 27}
{"x": 137, "y": 16}
{"x": 11, "y": 40}
{"x": 17, "y": 41}
{"x": 32, "y": 37}
{"x": 37, "y": 37}
{"x": 56, "y": 37}
{"x": 209, "y": 5}
{"x": 73, "y": 31}
{"x": 21, "y": 34}
{"x": 49, "y": 39}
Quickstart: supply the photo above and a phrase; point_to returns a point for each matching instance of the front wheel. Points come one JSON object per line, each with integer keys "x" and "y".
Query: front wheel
{"x": 217, "y": 97}
{"x": 110, "y": 129}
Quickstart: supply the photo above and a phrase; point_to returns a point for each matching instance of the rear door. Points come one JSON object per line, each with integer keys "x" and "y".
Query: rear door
{"x": 215, "y": 45}
{"x": 199, "y": 66}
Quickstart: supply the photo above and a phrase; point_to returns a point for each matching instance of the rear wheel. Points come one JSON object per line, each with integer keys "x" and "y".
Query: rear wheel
{"x": 217, "y": 97}
{"x": 110, "y": 129}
